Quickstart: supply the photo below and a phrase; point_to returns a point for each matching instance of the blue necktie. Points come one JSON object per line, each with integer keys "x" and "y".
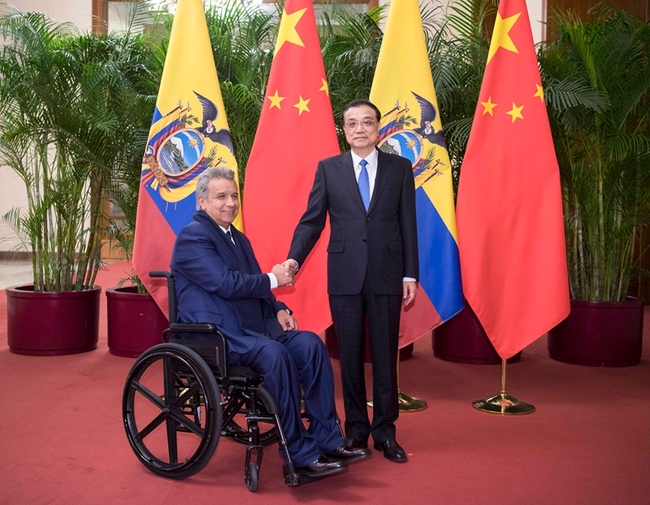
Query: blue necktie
{"x": 364, "y": 184}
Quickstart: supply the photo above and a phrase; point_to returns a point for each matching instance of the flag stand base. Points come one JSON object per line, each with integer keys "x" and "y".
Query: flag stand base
{"x": 503, "y": 403}
{"x": 406, "y": 403}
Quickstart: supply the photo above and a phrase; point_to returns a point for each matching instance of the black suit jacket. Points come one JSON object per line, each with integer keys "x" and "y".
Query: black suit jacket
{"x": 384, "y": 239}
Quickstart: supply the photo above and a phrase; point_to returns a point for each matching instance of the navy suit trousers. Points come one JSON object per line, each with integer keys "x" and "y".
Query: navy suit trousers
{"x": 295, "y": 359}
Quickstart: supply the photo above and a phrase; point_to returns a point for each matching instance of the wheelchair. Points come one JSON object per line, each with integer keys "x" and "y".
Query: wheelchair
{"x": 181, "y": 396}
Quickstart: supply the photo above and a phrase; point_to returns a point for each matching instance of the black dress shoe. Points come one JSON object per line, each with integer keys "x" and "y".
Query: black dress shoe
{"x": 349, "y": 454}
{"x": 322, "y": 467}
{"x": 392, "y": 451}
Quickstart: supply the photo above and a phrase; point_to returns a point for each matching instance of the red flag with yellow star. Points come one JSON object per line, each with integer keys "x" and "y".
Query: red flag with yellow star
{"x": 509, "y": 207}
{"x": 296, "y": 131}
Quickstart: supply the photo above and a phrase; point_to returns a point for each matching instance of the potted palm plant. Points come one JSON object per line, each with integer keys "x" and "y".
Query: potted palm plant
{"x": 58, "y": 95}
{"x": 597, "y": 80}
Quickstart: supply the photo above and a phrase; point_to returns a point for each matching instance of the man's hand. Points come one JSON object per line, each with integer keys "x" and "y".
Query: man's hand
{"x": 410, "y": 288}
{"x": 283, "y": 275}
{"x": 286, "y": 320}
{"x": 291, "y": 266}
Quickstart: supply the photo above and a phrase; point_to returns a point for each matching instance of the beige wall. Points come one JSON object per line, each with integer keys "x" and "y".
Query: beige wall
{"x": 79, "y": 12}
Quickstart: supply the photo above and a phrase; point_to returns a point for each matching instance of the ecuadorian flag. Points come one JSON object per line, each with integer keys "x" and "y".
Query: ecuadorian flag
{"x": 188, "y": 134}
{"x": 403, "y": 91}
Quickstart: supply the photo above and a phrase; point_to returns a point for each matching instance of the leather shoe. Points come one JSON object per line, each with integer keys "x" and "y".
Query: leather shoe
{"x": 322, "y": 467}
{"x": 392, "y": 451}
{"x": 349, "y": 454}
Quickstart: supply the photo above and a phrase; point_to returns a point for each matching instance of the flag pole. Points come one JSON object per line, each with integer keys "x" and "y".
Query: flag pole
{"x": 405, "y": 402}
{"x": 503, "y": 403}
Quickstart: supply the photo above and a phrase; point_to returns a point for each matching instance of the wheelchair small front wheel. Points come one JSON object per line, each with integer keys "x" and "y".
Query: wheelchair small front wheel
{"x": 251, "y": 477}
{"x": 172, "y": 411}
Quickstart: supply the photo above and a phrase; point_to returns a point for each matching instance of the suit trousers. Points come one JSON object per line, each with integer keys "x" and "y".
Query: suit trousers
{"x": 295, "y": 359}
{"x": 350, "y": 314}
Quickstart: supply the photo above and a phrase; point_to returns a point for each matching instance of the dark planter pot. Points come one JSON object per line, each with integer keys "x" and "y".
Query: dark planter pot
{"x": 333, "y": 348}
{"x": 599, "y": 334}
{"x": 52, "y": 324}
{"x": 463, "y": 340}
{"x": 135, "y": 322}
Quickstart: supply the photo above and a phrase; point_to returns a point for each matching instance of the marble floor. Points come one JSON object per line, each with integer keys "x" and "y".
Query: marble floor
{"x": 15, "y": 272}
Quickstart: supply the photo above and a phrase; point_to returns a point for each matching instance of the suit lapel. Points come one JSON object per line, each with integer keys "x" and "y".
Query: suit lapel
{"x": 383, "y": 169}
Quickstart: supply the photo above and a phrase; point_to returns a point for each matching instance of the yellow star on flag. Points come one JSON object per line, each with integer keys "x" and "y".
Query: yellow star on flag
{"x": 275, "y": 100}
{"x": 302, "y": 105}
{"x": 515, "y": 112}
{"x": 501, "y": 36}
{"x": 325, "y": 87}
{"x": 540, "y": 93}
{"x": 488, "y": 106}
{"x": 287, "y": 32}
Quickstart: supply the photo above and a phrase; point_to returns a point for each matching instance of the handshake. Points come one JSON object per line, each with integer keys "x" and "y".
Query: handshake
{"x": 285, "y": 272}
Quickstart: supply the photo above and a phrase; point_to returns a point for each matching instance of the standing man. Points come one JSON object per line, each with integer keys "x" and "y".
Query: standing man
{"x": 218, "y": 280}
{"x": 372, "y": 268}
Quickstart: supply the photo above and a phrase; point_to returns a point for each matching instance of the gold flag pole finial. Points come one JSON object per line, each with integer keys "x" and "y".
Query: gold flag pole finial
{"x": 503, "y": 403}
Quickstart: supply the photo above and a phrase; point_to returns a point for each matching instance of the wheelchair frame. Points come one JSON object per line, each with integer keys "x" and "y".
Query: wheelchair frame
{"x": 181, "y": 395}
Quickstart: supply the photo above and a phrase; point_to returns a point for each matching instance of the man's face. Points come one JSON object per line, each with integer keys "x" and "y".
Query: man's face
{"x": 222, "y": 204}
{"x": 361, "y": 128}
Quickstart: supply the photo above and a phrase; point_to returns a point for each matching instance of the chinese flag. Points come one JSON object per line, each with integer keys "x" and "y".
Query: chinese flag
{"x": 509, "y": 207}
{"x": 188, "y": 134}
{"x": 296, "y": 130}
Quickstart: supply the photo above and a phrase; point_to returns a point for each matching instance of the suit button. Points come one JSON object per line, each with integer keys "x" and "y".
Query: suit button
{"x": 365, "y": 240}
{"x": 367, "y": 219}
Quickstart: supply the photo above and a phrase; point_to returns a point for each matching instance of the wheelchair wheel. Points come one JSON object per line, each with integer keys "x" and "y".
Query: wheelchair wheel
{"x": 171, "y": 410}
{"x": 251, "y": 477}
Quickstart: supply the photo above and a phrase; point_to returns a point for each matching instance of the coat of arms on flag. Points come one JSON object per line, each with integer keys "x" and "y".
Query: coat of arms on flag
{"x": 180, "y": 147}
{"x": 415, "y": 139}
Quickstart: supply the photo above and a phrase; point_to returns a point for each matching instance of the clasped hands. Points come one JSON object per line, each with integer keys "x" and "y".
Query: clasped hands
{"x": 285, "y": 273}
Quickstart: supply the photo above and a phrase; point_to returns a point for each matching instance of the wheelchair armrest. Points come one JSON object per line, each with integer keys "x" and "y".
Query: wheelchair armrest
{"x": 160, "y": 273}
{"x": 193, "y": 328}
{"x": 214, "y": 351}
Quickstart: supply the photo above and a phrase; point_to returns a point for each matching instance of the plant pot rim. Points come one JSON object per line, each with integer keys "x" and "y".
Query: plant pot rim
{"x": 630, "y": 302}
{"x": 27, "y": 290}
{"x": 124, "y": 290}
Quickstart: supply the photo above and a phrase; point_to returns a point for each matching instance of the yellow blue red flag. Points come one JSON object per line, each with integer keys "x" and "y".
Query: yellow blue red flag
{"x": 403, "y": 91}
{"x": 189, "y": 133}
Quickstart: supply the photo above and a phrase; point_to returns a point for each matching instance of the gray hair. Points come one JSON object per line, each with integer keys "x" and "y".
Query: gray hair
{"x": 206, "y": 177}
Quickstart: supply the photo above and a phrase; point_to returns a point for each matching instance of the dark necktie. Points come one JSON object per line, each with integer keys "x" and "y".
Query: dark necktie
{"x": 364, "y": 184}
{"x": 230, "y": 236}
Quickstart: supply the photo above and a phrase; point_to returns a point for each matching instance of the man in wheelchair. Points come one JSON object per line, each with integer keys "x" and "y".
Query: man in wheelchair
{"x": 219, "y": 281}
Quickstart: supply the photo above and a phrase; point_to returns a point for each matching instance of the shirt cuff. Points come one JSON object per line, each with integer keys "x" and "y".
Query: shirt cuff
{"x": 274, "y": 280}
{"x": 405, "y": 279}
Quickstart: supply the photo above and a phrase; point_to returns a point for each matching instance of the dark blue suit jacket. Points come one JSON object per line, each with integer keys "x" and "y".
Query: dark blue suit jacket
{"x": 206, "y": 287}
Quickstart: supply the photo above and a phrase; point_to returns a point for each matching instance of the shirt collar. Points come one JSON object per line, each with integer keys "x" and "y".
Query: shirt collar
{"x": 371, "y": 158}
